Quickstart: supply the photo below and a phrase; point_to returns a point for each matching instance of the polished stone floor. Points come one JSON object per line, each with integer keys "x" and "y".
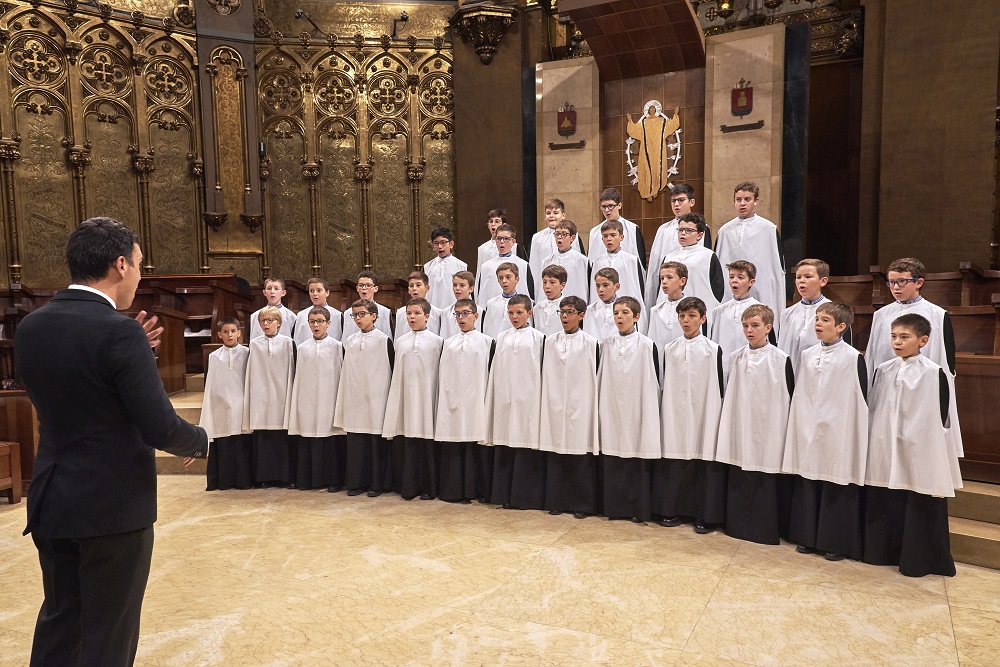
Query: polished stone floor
{"x": 278, "y": 577}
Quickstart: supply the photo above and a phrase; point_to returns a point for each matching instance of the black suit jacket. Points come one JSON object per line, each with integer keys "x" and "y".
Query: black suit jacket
{"x": 92, "y": 378}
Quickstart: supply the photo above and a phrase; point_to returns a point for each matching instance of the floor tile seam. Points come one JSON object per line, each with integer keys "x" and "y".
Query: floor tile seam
{"x": 715, "y": 590}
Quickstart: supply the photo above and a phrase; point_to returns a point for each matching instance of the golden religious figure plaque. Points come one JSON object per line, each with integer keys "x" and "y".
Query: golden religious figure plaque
{"x": 653, "y": 149}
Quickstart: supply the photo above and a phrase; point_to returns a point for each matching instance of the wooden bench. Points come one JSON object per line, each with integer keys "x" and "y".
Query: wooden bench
{"x": 10, "y": 471}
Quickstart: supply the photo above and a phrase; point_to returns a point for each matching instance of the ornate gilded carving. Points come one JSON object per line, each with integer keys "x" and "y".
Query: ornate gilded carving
{"x": 339, "y": 213}
{"x": 174, "y": 203}
{"x": 184, "y": 13}
{"x": 246, "y": 265}
{"x": 232, "y": 166}
{"x": 111, "y": 182}
{"x": 483, "y": 25}
{"x": 437, "y": 97}
{"x": 216, "y": 220}
{"x": 252, "y": 221}
{"x": 335, "y": 94}
{"x": 368, "y": 18}
{"x": 105, "y": 72}
{"x": 437, "y": 191}
{"x": 35, "y": 60}
{"x": 288, "y": 207}
{"x": 392, "y": 237}
{"x": 281, "y": 93}
{"x": 10, "y": 152}
{"x": 167, "y": 82}
{"x": 224, "y": 7}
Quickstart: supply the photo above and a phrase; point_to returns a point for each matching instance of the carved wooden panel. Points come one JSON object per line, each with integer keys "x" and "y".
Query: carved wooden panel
{"x": 392, "y": 238}
{"x": 245, "y": 265}
{"x": 111, "y": 186}
{"x": 339, "y": 211}
{"x": 437, "y": 195}
{"x": 173, "y": 202}
{"x": 229, "y": 134}
{"x": 288, "y": 206}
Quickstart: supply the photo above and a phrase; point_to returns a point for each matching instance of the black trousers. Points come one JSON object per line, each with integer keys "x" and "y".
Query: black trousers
{"x": 93, "y": 595}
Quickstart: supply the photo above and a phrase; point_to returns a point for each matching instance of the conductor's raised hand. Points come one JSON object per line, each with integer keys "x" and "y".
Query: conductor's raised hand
{"x": 149, "y": 326}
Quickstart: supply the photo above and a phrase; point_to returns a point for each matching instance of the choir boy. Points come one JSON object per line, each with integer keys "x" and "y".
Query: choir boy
{"x": 611, "y": 209}
{"x": 543, "y": 242}
{"x": 417, "y": 287}
{"x": 489, "y": 250}
{"x": 320, "y": 445}
{"x": 409, "y": 411}
{"x": 266, "y": 401}
{"x": 319, "y": 292}
{"x": 461, "y": 287}
{"x": 796, "y": 323}
{"x": 361, "y": 400}
{"x": 688, "y": 481}
{"x": 663, "y": 326}
{"x": 629, "y": 399}
{"x": 826, "y": 446}
{"x": 727, "y": 319}
{"x": 229, "y": 457}
{"x": 567, "y": 256}
{"x": 630, "y": 272}
{"x": 486, "y": 285}
{"x": 665, "y": 241}
{"x": 905, "y": 280}
{"x": 754, "y": 238}
{"x": 274, "y": 292}
{"x": 752, "y": 433}
{"x": 569, "y": 431}
{"x": 512, "y": 403}
{"x": 601, "y": 322}
{"x": 495, "y": 316}
{"x": 367, "y": 287}
{"x": 546, "y": 311}
{"x": 466, "y": 467}
{"x": 705, "y": 277}
{"x": 908, "y": 480}
{"x": 441, "y": 269}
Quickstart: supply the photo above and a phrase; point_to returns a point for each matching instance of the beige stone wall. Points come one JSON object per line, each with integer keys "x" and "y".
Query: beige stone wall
{"x": 758, "y": 56}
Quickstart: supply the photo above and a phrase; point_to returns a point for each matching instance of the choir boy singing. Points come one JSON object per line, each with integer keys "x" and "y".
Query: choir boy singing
{"x": 229, "y": 457}
{"x": 630, "y": 272}
{"x": 417, "y": 288}
{"x": 488, "y": 249}
{"x": 544, "y": 243}
{"x": 826, "y": 447}
{"x": 545, "y": 314}
{"x": 688, "y": 483}
{"x": 319, "y": 292}
{"x": 726, "y": 328}
{"x": 665, "y": 241}
{"x": 569, "y": 429}
{"x": 367, "y": 287}
{"x": 361, "y": 399}
{"x": 486, "y": 284}
{"x": 601, "y": 322}
{"x": 466, "y": 466}
{"x": 611, "y": 210}
{"x": 795, "y": 323}
{"x": 441, "y": 269}
{"x": 320, "y": 446}
{"x": 705, "y": 278}
{"x": 663, "y": 324}
{"x": 567, "y": 256}
{"x": 274, "y": 292}
{"x": 495, "y": 315}
{"x": 461, "y": 287}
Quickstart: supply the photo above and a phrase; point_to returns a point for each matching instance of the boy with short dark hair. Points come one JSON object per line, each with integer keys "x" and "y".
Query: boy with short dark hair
{"x": 409, "y": 412}
{"x": 665, "y": 241}
{"x": 630, "y": 272}
{"x": 826, "y": 445}
{"x": 512, "y": 403}
{"x": 495, "y": 317}
{"x": 266, "y": 401}
{"x": 546, "y": 311}
{"x": 466, "y": 466}
{"x": 367, "y": 287}
{"x": 567, "y": 256}
{"x": 486, "y": 284}
{"x": 611, "y": 209}
{"x": 361, "y": 401}
{"x": 796, "y": 322}
{"x": 543, "y": 241}
{"x": 274, "y": 291}
{"x": 319, "y": 292}
{"x": 488, "y": 250}
{"x": 461, "y": 287}
{"x": 726, "y": 328}
{"x": 569, "y": 433}
{"x": 229, "y": 455}
{"x": 663, "y": 325}
{"x": 754, "y": 238}
{"x": 601, "y": 322}
{"x": 705, "y": 279}
{"x": 319, "y": 444}
{"x": 752, "y": 433}
{"x": 688, "y": 481}
{"x": 441, "y": 269}
{"x": 629, "y": 397}
{"x": 417, "y": 286}
{"x": 909, "y": 473}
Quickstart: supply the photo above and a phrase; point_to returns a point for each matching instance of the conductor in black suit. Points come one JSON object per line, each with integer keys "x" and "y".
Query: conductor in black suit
{"x": 92, "y": 378}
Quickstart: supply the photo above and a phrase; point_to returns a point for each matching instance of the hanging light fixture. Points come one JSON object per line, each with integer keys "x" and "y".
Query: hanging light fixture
{"x": 725, "y": 9}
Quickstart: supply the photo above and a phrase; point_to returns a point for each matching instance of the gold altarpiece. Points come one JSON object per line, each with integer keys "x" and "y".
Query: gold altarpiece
{"x": 104, "y": 119}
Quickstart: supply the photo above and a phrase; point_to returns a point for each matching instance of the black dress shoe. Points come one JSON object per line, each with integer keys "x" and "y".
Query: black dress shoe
{"x": 355, "y": 492}
{"x": 636, "y": 519}
{"x": 374, "y": 494}
{"x": 580, "y": 515}
{"x": 555, "y": 512}
{"x": 803, "y": 549}
{"x": 671, "y": 521}
{"x": 290, "y": 485}
{"x": 702, "y": 529}
{"x": 426, "y": 496}
{"x": 834, "y": 556}
{"x": 333, "y": 489}
{"x": 482, "y": 500}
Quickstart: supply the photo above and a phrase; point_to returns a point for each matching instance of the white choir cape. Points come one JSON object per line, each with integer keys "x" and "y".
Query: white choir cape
{"x": 433, "y": 322}
{"x": 439, "y": 274}
{"x": 630, "y": 274}
{"x": 577, "y": 273}
{"x": 515, "y": 389}
{"x": 268, "y": 394}
{"x": 487, "y": 286}
{"x": 726, "y": 328}
{"x": 304, "y": 333}
{"x": 449, "y": 325}
{"x": 409, "y": 410}
{"x": 314, "y": 393}
{"x": 383, "y": 323}
{"x": 827, "y": 437}
{"x": 630, "y": 245}
{"x": 662, "y": 326}
{"x": 755, "y": 239}
{"x": 287, "y": 322}
{"x": 545, "y": 316}
{"x": 569, "y": 419}
{"x": 698, "y": 260}
{"x": 225, "y": 384}
{"x": 364, "y": 383}
{"x": 755, "y": 410}
{"x": 493, "y": 316}
{"x": 599, "y": 321}
{"x": 488, "y": 251}
{"x": 463, "y": 376}
{"x": 692, "y": 399}
{"x": 664, "y": 243}
{"x": 629, "y": 397}
{"x": 797, "y": 325}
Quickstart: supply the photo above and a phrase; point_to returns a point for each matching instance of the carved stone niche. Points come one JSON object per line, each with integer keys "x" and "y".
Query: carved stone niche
{"x": 483, "y": 25}
{"x": 215, "y": 220}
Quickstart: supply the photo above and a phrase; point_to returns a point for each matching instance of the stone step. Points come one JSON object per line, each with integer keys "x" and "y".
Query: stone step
{"x": 975, "y": 542}
{"x": 194, "y": 382}
{"x": 977, "y": 501}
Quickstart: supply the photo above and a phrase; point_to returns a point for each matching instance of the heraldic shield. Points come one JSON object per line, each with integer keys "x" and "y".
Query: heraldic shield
{"x": 658, "y": 150}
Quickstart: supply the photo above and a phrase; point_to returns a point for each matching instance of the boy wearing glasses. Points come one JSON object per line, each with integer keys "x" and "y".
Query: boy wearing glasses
{"x": 611, "y": 209}
{"x": 367, "y": 287}
{"x": 567, "y": 256}
{"x": 266, "y": 401}
{"x": 319, "y": 445}
{"x": 441, "y": 269}
{"x": 488, "y": 250}
{"x": 665, "y": 242}
{"x": 466, "y": 467}
{"x": 361, "y": 399}
{"x": 461, "y": 287}
{"x": 543, "y": 241}
{"x": 486, "y": 284}
{"x": 796, "y": 323}
{"x": 495, "y": 318}
{"x": 417, "y": 287}
{"x": 319, "y": 292}
{"x": 630, "y": 273}
{"x": 274, "y": 291}
{"x": 905, "y": 278}
{"x": 546, "y": 311}
{"x": 229, "y": 457}
{"x": 569, "y": 430}
{"x": 705, "y": 278}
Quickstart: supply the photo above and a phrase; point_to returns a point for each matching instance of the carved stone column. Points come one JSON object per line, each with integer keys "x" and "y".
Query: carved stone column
{"x": 10, "y": 151}
{"x": 363, "y": 175}
{"x": 78, "y": 156}
{"x": 310, "y": 171}
{"x": 483, "y": 26}
{"x": 415, "y": 174}
{"x": 264, "y": 171}
{"x": 197, "y": 166}
{"x": 144, "y": 165}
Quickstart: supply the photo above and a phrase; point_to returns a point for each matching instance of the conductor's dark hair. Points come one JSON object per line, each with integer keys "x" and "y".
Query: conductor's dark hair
{"x": 228, "y": 320}
{"x": 367, "y": 304}
{"x": 696, "y": 219}
{"x": 629, "y": 302}
{"x": 445, "y": 232}
{"x": 682, "y": 189}
{"x": 611, "y": 194}
{"x": 463, "y": 304}
{"x": 520, "y": 300}
{"x": 692, "y": 303}
{"x": 498, "y": 213}
{"x": 918, "y": 324}
{"x": 319, "y": 310}
{"x": 574, "y": 302}
{"x": 423, "y": 304}
{"x": 840, "y": 312}
{"x": 95, "y": 245}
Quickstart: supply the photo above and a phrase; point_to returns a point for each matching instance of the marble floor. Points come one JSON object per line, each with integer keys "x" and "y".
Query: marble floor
{"x": 278, "y": 577}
